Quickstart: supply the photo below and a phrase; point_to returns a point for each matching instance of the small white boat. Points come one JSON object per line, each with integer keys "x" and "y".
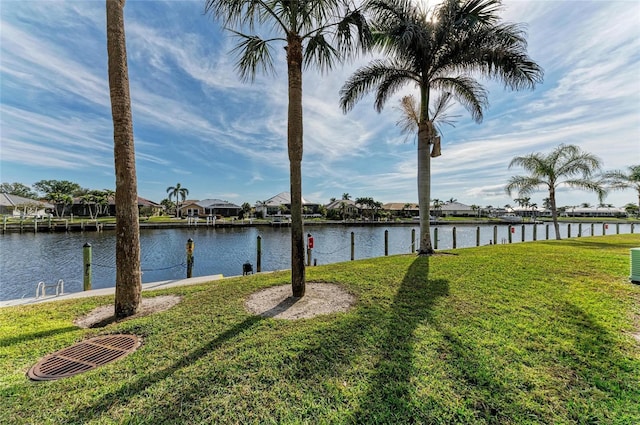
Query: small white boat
{"x": 511, "y": 218}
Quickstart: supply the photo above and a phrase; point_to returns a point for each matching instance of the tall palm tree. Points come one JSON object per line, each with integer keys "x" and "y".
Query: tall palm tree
{"x": 437, "y": 53}
{"x": 128, "y": 273}
{"x": 178, "y": 192}
{"x": 306, "y": 27}
{"x": 566, "y": 165}
{"x": 620, "y": 180}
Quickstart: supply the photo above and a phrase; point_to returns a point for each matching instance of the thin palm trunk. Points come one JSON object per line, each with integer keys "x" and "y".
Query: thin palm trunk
{"x": 554, "y": 211}
{"x": 294, "y": 141}
{"x": 128, "y": 275}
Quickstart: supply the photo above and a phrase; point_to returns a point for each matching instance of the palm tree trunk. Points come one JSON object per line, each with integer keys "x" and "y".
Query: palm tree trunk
{"x": 128, "y": 275}
{"x": 294, "y": 142}
{"x": 554, "y": 211}
{"x": 424, "y": 187}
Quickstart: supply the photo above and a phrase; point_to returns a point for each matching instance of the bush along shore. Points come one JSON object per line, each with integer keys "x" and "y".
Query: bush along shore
{"x": 536, "y": 333}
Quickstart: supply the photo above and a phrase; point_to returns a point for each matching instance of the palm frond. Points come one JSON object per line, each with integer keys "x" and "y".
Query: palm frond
{"x": 409, "y": 115}
{"x": 439, "y": 114}
{"x": 366, "y": 78}
{"x": 254, "y": 54}
{"x": 524, "y": 185}
{"x": 467, "y": 91}
{"x": 320, "y": 52}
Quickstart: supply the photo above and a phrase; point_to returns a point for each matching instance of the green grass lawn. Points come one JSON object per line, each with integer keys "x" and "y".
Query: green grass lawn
{"x": 529, "y": 333}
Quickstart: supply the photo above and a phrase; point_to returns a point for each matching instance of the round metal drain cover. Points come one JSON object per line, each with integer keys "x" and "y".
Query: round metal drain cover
{"x": 83, "y": 356}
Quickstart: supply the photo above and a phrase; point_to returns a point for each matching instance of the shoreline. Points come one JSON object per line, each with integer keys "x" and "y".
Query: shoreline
{"x": 91, "y": 225}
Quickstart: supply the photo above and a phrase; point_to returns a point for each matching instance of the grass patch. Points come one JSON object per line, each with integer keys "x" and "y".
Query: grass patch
{"x": 525, "y": 333}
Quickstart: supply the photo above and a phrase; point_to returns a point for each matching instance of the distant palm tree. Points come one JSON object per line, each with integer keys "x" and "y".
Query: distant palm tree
{"x": 437, "y": 53}
{"x": 437, "y": 206}
{"x": 307, "y": 29}
{"x": 567, "y": 165}
{"x": 128, "y": 272}
{"x": 246, "y": 209}
{"x": 178, "y": 192}
{"x": 476, "y": 209}
{"x": 343, "y": 210}
{"x": 405, "y": 209}
{"x": 620, "y": 180}
{"x": 346, "y": 196}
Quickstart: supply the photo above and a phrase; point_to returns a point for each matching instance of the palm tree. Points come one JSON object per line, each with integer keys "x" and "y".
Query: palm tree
{"x": 437, "y": 53}
{"x": 405, "y": 210}
{"x": 476, "y": 209}
{"x": 128, "y": 273}
{"x": 346, "y": 196}
{"x": 178, "y": 192}
{"x": 567, "y": 165}
{"x": 60, "y": 199}
{"x": 305, "y": 27}
{"x": 437, "y": 206}
{"x": 89, "y": 199}
{"x": 620, "y": 180}
{"x": 246, "y": 209}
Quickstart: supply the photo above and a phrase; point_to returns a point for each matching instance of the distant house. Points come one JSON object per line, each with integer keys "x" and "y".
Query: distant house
{"x": 280, "y": 204}
{"x": 344, "y": 208}
{"x": 595, "y": 212}
{"x": 529, "y": 211}
{"x": 399, "y": 209}
{"x": 456, "y": 209}
{"x": 210, "y": 207}
{"x": 17, "y": 206}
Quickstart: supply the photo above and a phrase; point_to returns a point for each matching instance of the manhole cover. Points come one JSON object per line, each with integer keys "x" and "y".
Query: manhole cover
{"x": 83, "y": 356}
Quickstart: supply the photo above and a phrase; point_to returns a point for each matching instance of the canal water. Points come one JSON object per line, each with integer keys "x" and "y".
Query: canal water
{"x": 28, "y": 258}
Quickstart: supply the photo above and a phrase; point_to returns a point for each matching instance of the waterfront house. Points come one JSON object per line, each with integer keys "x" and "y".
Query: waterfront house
{"x": 594, "y": 212}
{"x": 345, "y": 208}
{"x": 456, "y": 209}
{"x": 280, "y": 205}
{"x": 18, "y": 206}
{"x": 399, "y": 209}
{"x": 210, "y": 207}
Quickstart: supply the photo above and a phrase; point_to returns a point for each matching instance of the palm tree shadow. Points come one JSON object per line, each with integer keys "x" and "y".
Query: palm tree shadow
{"x": 390, "y": 387}
{"x": 125, "y": 392}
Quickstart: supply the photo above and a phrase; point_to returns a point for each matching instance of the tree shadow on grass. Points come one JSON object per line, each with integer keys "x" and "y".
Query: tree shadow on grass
{"x": 390, "y": 389}
{"x": 127, "y": 391}
{"x": 22, "y": 338}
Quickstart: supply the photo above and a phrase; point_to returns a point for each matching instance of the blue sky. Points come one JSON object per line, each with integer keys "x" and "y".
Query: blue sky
{"x": 198, "y": 124}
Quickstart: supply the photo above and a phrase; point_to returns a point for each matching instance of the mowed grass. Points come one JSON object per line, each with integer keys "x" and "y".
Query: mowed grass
{"x": 529, "y": 333}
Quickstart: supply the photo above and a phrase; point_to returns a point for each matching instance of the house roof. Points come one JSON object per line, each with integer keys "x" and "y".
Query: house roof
{"x": 148, "y": 203}
{"x": 399, "y": 206}
{"x": 283, "y": 198}
{"x": 216, "y": 203}
{"x": 455, "y": 206}
{"x": 337, "y": 204}
{"x": 9, "y": 200}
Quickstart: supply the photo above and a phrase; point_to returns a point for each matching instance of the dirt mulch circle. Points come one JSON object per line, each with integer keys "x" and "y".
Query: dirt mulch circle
{"x": 104, "y": 315}
{"x": 320, "y": 298}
